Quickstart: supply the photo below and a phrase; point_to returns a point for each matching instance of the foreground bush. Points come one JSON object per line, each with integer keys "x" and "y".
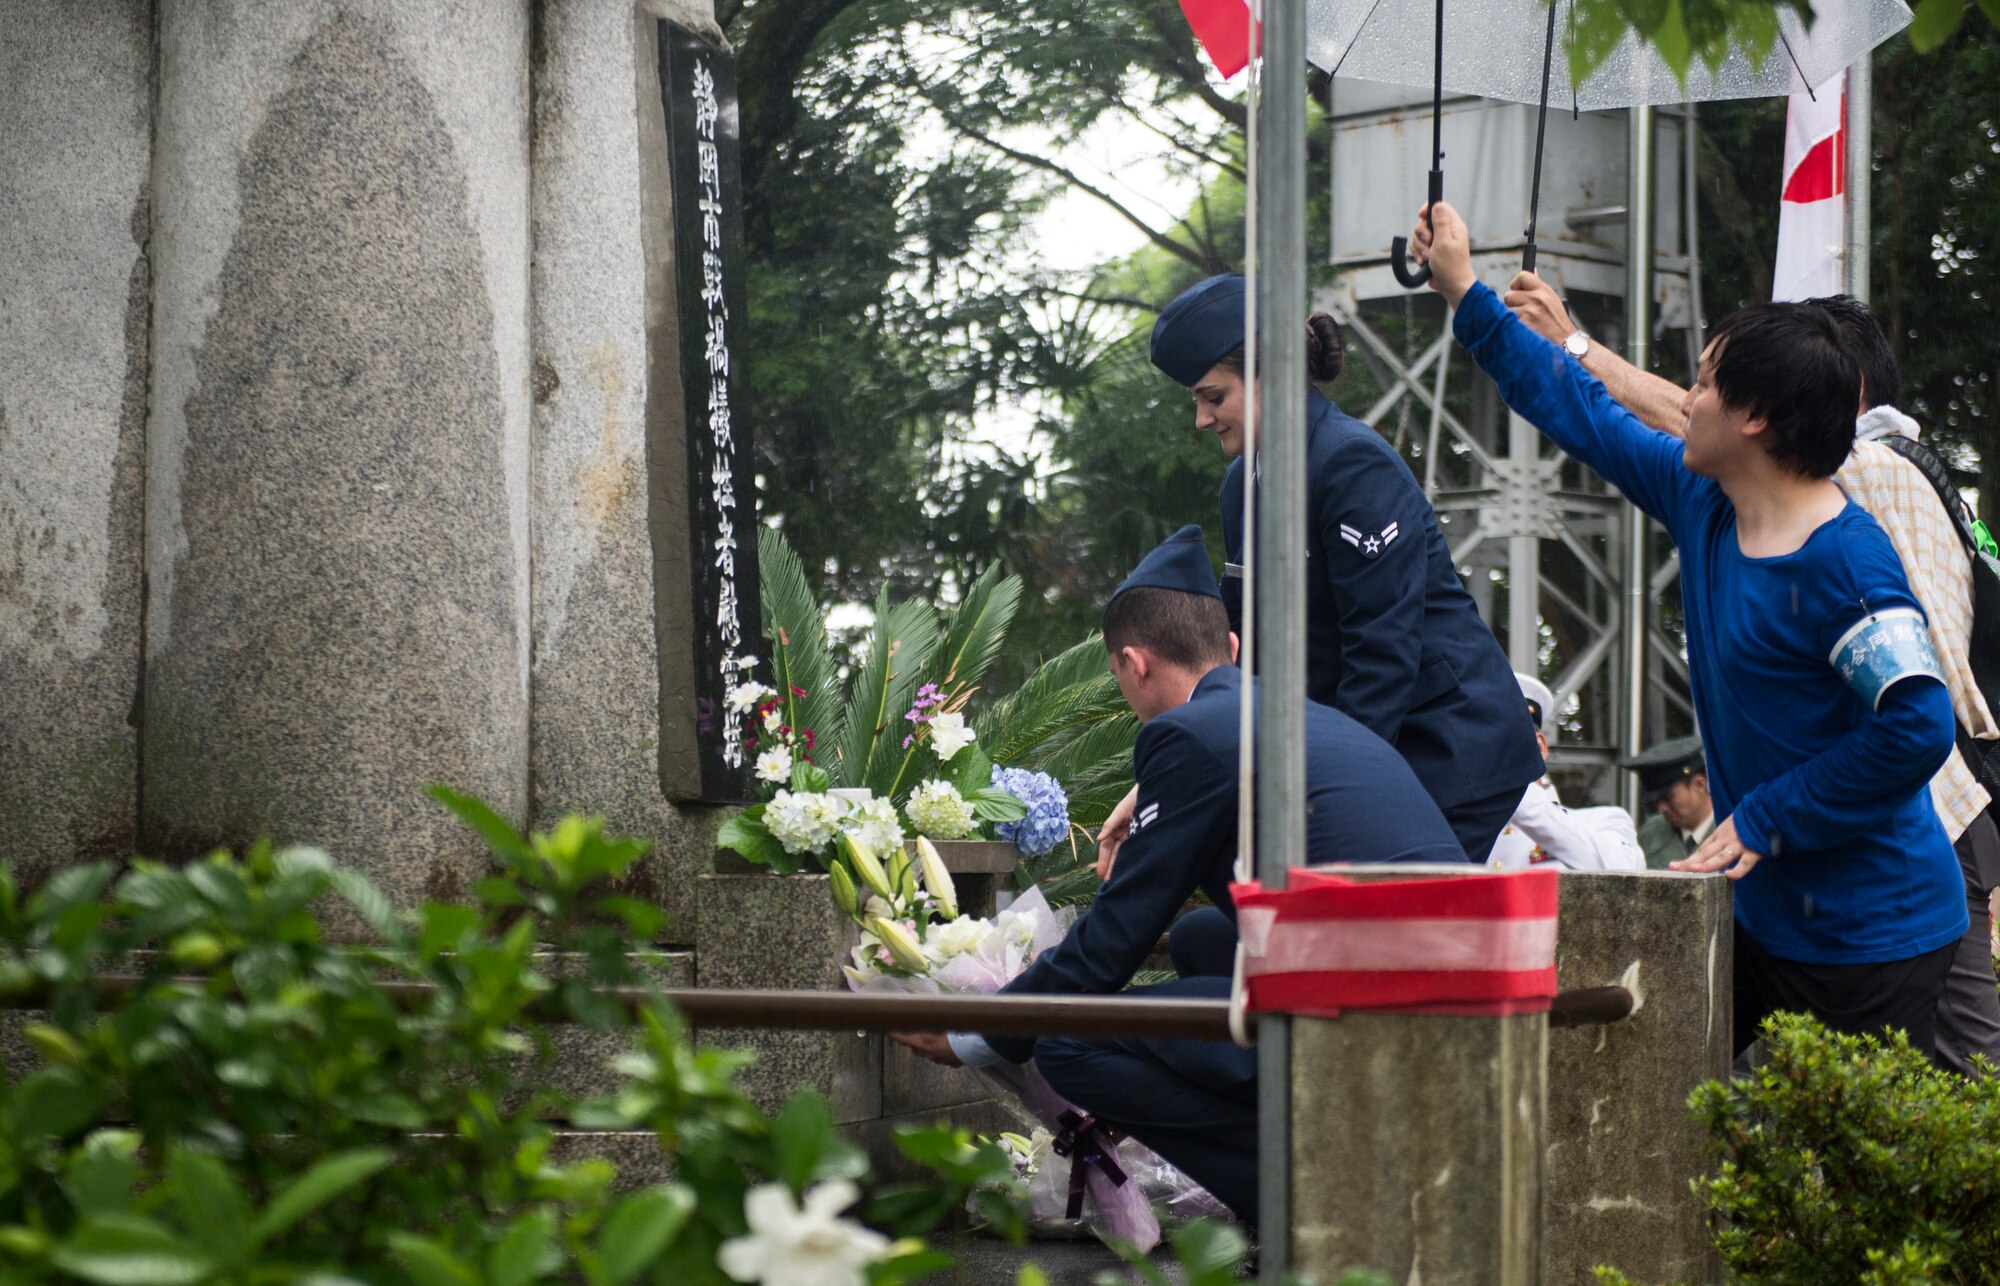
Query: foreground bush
{"x": 1847, "y": 1159}
{"x": 286, "y": 1116}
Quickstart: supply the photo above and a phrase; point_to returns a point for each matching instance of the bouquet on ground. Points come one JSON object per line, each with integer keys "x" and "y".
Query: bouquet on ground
{"x": 915, "y": 940}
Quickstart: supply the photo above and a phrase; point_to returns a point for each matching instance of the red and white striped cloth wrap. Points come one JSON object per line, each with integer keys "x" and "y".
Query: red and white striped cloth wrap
{"x": 1482, "y": 944}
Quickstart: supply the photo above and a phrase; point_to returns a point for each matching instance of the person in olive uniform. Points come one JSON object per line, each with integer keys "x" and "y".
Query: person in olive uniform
{"x": 1673, "y": 786}
{"x": 1393, "y": 641}
{"x": 1194, "y": 1102}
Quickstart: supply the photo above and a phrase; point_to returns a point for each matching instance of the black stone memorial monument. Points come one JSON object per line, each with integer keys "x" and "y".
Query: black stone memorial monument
{"x": 723, "y": 622}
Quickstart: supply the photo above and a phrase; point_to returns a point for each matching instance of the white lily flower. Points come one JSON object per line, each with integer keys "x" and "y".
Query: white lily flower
{"x": 949, "y": 735}
{"x": 808, "y": 1245}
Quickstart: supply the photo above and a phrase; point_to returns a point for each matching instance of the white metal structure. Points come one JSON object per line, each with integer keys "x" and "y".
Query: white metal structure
{"x": 1545, "y": 546}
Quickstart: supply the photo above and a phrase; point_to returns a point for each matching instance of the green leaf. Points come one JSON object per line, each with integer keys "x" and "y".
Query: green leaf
{"x": 428, "y": 1263}
{"x": 970, "y": 771}
{"x": 642, "y": 919}
{"x": 641, "y": 1227}
{"x": 1209, "y": 1251}
{"x": 444, "y": 926}
{"x": 800, "y": 1135}
{"x": 322, "y": 1183}
{"x": 745, "y": 834}
{"x": 797, "y": 632}
{"x": 884, "y": 685}
{"x": 212, "y": 1207}
{"x": 51, "y": 1103}
{"x": 500, "y": 836}
{"x": 125, "y": 1250}
{"x": 993, "y": 804}
{"x": 522, "y": 1252}
{"x": 1991, "y": 8}
{"x": 100, "y": 1174}
{"x": 369, "y": 902}
{"x": 1933, "y": 22}
{"x": 1671, "y": 39}
{"x": 809, "y": 778}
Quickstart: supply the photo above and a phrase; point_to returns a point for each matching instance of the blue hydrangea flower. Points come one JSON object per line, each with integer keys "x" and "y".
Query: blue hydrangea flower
{"x": 1047, "y": 821}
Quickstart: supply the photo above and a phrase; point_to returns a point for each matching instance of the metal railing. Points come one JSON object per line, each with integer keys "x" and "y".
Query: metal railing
{"x": 1031, "y": 1015}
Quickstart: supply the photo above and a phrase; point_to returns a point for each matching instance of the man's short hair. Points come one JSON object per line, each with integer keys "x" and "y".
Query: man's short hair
{"x": 1788, "y": 365}
{"x": 1881, "y": 381}
{"x": 1188, "y": 630}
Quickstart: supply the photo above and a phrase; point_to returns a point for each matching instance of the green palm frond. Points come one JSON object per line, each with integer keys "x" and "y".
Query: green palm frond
{"x": 1066, "y": 669}
{"x": 898, "y": 648}
{"x": 796, "y": 628}
{"x": 1032, "y": 730}
{"x": 973, "y": 636}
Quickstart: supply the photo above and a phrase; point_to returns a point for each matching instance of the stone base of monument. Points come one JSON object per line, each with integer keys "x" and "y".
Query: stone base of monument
{"x": 1621, "y": 1145}
{"x": 765, "y": 931}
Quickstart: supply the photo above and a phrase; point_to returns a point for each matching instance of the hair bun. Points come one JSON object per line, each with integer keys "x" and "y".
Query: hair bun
{"x": 1325, "y": 358}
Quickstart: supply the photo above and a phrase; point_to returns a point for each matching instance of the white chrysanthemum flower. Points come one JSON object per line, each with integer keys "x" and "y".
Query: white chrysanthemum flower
{"x": 937, "y": 810}
{"x": 803, "y": 823}
{"x": 949, "y": 735}
{"x": 775, "y": 765}
{"x": 774, "y": 719}
{"x": 802, "y": 1245}
{"x": 743, "y": 698}
{"x": 876, "y": 825}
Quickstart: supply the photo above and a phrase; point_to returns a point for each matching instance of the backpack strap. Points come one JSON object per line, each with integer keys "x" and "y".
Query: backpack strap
{"x": 1970, "y": 530}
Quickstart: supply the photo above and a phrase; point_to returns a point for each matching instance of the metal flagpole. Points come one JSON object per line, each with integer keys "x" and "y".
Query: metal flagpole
{"x": 1281, "y": 569}
{"x": 1860, "y": 171}
{"x": 1638, "y": 351}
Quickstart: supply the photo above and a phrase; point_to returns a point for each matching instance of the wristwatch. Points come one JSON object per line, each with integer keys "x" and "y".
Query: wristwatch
{"x": 1577, "y": 344}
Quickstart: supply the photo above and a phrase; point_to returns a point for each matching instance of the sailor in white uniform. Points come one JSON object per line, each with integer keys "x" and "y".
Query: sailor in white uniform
{"x": 1542, "y": 830}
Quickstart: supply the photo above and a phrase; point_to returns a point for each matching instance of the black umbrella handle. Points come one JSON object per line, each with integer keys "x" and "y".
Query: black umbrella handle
{"x": 1399, "y": 248}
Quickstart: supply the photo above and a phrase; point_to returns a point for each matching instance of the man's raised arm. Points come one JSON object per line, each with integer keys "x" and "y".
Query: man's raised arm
{"x": 1657, "y": 401}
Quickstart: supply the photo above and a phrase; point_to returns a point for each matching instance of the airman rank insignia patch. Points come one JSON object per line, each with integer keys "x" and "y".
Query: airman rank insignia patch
{"x": 1370, "y": 543}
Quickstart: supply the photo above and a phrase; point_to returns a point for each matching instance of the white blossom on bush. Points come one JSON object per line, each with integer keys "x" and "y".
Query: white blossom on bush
{"x": 937, "y": 810}
{"x": 803, "y": 823}
{"x": 807, "y": 1244}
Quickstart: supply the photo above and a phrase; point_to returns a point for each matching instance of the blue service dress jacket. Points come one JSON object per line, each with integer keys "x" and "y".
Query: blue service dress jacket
{"x": 1363, "y": 804}
{"x": 1392, "y": 639}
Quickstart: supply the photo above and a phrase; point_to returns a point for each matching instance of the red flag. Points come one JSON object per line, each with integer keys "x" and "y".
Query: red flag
{"x": 1223, "y": 28}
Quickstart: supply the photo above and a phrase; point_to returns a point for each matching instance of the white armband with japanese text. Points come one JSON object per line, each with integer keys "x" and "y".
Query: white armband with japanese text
{"x": 1883, "y": 649}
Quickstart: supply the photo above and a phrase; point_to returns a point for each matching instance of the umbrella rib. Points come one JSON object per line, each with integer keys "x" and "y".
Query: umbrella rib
{"x": 1357, "y": 38}
{"x": 1803, "y": 78}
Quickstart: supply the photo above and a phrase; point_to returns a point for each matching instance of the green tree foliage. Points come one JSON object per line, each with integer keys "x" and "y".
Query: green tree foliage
{"x": 263, "y": 1107}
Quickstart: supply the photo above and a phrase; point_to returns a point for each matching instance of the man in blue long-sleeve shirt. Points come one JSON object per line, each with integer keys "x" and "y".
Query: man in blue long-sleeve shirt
{"x": 1815, "y": 684}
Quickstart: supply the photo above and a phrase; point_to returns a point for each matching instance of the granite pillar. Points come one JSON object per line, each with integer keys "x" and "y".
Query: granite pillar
{"x": 1622, "y": 1146}
{"x": 1417, "y": 1146}
{"x": 337, "y": 484}
{"x": 76, "y": 102}
{"x": 603, "y": 266}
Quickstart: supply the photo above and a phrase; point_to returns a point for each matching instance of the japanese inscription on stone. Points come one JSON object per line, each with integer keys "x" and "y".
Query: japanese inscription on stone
{"x": 698, "y": 83}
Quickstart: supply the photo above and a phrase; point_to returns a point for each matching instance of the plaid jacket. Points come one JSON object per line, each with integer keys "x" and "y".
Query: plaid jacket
{"x": 1899, "y": 497}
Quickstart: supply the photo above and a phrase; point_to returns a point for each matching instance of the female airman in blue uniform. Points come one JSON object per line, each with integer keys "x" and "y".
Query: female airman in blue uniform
{"x": 1392, "y": 638}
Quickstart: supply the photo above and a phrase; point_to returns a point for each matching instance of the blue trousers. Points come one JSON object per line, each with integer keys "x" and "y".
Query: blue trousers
{"x": 1192, "y": 1101}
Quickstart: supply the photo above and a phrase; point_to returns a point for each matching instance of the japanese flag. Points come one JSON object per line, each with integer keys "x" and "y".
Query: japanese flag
{"x": 1223, "y": 28}
{"x": 1812, "y": 229}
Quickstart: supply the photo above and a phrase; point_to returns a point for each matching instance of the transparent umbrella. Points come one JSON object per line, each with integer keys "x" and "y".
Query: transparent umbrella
{"x": 1493, "y": 48}
{"x": 1504, "y": 49}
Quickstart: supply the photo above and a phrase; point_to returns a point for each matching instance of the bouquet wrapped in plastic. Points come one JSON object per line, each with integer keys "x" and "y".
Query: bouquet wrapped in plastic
{"x": 1083, "y": 1176}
